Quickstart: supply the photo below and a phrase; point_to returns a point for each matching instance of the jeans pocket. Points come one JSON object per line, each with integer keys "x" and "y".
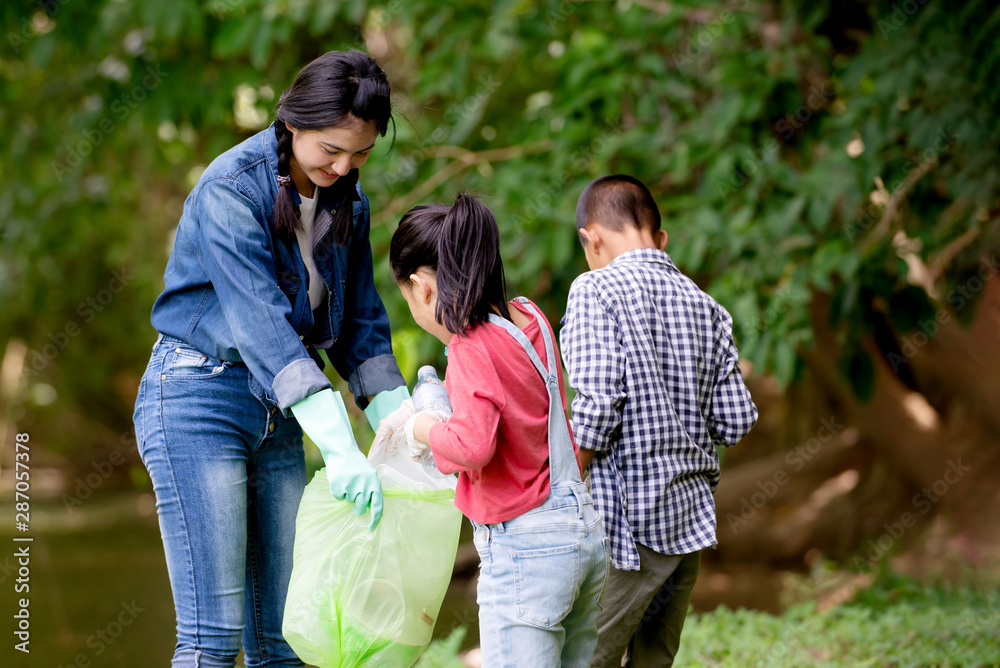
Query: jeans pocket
{"x": 185, "y": 362}
{"x": 545, "y": 583}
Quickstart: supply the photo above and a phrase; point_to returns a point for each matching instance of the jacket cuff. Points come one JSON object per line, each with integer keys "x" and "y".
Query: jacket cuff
{"x": 297, "y": 381}
{"x": 374, "y": 375}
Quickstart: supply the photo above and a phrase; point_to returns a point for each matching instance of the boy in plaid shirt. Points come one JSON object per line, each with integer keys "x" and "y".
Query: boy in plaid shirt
{"x": 658, "y": 384}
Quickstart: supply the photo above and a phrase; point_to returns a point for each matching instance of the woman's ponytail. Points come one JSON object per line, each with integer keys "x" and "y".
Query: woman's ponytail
{"x": 286, "y": 218}
{"x": 470, "y": 277}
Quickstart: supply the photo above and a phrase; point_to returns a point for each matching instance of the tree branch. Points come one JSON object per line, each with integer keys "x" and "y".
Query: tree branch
{"x": 896, "y": 200}
{"x": 948, "y": 253}
{"x": 463, "y": 159}
{"x": 887, "y": 420}
{"x": 658, "y": 6}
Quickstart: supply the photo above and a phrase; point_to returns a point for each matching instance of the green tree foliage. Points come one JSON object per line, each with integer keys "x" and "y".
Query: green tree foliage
{"x": 834, "y": 148}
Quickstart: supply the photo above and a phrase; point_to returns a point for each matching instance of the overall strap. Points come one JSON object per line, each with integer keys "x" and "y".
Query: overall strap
{"x": 550, "y": 349}
{"x": 522, "y": 338}
{"x": 562, "y": 458}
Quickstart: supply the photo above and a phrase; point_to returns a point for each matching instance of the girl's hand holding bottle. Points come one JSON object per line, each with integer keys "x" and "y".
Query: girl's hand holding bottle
{"x": 430, "y": 401}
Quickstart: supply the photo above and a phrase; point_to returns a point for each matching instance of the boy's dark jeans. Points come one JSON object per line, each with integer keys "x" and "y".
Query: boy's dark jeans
{"x": 644, "y": 610}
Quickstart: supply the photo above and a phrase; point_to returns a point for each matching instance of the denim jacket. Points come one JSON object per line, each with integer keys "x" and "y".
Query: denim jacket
{"x": 240, "y": 295}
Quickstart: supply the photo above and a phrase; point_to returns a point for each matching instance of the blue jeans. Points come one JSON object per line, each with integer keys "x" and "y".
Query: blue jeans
{"x": 228, "y": 472}
{"x": 541, "y": 583}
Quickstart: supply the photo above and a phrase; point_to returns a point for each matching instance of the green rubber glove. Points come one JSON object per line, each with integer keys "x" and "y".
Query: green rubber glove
{"x": 385, "y": 402}
{"x": 323, "y": 417}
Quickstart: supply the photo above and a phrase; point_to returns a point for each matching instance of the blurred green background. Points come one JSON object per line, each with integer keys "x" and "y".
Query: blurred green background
{"x": 828, "y": 171}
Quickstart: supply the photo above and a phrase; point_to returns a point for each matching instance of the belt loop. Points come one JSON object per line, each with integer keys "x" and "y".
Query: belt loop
{"x": 579, "y": 500}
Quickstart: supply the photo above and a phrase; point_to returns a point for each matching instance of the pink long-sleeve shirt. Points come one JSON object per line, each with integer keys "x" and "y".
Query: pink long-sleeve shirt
{"x": 497, "y": 436}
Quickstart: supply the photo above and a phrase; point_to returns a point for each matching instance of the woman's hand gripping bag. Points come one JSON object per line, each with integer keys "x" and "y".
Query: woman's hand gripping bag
{"x": 371, "y": 598}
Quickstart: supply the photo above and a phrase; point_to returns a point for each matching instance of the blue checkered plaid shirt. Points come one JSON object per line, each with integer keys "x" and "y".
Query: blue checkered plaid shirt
{"x": 658, "y": 385}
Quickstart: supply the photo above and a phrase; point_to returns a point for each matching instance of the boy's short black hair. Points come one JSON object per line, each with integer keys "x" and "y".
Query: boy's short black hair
{"x": 615, "y": 201}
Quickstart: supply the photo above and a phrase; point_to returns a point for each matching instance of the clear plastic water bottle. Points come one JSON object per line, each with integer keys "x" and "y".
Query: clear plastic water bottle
{"x": 429, "y": 394}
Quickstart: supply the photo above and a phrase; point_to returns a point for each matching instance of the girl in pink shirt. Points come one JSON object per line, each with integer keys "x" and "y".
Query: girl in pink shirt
{"x": 543, "y": 549}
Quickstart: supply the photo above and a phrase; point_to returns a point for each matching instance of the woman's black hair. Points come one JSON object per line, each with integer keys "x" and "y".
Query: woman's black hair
{"x": 327, "y": 93}
{"x": 461, "y": 244}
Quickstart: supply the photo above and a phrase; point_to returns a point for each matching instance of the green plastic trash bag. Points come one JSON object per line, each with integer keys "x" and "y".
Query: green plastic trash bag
{"x": 363, "y": 598}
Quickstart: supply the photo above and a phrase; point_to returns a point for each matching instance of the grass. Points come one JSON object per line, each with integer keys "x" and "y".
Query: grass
{"x": 895, "y": 622}
{"x": 443, "y": 653}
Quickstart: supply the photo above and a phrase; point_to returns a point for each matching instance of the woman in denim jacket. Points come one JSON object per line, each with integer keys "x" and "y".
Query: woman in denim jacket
{"x": 271, "y": 263}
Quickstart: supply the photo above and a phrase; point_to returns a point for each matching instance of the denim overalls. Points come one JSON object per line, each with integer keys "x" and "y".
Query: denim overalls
{"x": 542, "y": 576}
